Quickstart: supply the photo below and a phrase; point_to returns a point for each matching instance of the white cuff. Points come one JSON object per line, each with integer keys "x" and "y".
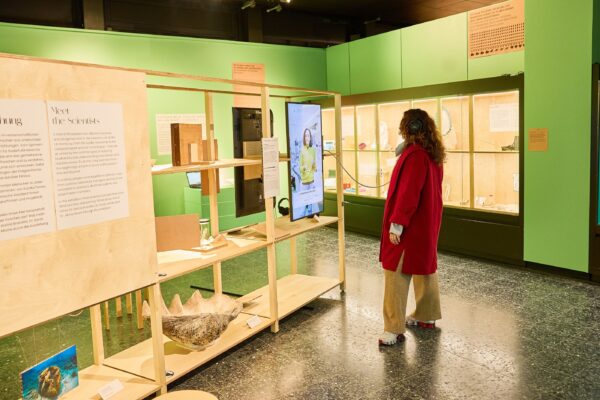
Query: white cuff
{"x": 396, "y": 229}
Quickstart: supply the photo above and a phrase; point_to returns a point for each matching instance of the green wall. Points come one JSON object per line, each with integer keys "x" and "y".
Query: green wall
{"x": 425, "y": 54}
{"x": 284, "y": 65}
{"x": 596, "y": 56}
{"x": 558, "y": 97}
{"x": 435, "y": 52}
{"x": 377, "y": 59}
{"x": 338, "y": 68}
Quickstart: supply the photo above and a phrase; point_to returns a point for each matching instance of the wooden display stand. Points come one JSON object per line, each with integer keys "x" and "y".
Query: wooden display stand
{"x": 142, "y": 368}
{"x": 46, "y": 276}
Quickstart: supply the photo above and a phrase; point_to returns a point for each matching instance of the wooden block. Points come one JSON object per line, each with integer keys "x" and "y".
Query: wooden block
{"x": 177, "y": 232}
{"x": 204, "y": 174}
{"x": 184, "y": 137}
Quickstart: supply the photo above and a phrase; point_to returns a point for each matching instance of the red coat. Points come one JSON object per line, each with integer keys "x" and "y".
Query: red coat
{"x": 414, "y": 201}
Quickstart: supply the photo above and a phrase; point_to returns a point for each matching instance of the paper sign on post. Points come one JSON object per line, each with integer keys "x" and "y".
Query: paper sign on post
{"x": 270, "y": 152}
{"x": 109, "y": 390}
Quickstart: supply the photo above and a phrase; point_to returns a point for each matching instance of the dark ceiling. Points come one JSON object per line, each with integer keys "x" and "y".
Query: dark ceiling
{"x": 317, "y": 23}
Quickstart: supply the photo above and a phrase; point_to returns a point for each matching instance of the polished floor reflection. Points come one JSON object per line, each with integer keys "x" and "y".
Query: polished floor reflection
{"x": 507, "y": 333}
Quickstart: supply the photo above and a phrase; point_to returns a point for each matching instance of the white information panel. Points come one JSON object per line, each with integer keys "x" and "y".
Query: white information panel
{"x": 90, "y": 174}
{"x": 26, "y": 193}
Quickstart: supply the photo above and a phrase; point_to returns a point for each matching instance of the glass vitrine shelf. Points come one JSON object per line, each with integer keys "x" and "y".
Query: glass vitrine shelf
{"x": 480, "y": 133}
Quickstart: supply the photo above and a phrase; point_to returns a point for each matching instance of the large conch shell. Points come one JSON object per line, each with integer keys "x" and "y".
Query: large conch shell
{"x": 199, "y": 322}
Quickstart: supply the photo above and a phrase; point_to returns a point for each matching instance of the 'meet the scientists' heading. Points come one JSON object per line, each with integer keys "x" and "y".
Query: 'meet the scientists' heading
{"x": 61, "y": 117}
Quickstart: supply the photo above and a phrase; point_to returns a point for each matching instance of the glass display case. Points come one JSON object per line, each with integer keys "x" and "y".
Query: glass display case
{"x": 480, "y": 132}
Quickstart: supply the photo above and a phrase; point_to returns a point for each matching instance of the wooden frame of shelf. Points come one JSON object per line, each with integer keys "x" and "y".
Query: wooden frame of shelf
{"x": 142, "y": 367}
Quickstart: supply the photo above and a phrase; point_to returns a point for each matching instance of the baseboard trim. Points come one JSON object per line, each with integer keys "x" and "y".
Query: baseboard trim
{"x": 549, "y": 269}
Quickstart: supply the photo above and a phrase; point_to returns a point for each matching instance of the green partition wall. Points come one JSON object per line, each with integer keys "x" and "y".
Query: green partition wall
{"x": 558, "y": 64}
{"x": 285, "y": 65}
{"x": 435, "y": 52}
{"x": 378, "y": 60}
{"x": 425, "y": 54}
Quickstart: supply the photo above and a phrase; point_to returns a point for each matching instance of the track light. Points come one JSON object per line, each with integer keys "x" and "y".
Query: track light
{"x": 276, "y": 8}
{"x": 249, "y": 4}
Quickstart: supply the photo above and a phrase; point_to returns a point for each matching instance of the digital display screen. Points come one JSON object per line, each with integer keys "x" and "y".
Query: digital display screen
{"x": 305, "y": 148}
{"x": 194, "y": 180}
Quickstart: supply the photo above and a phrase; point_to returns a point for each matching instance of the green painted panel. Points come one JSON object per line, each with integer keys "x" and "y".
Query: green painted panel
{"x": 375, "y": 63}
{"x": 596, "y": 57}
{"x": 501, "y": 64}
{"x": 435, "y": 52}
{"x": 338, "y": 68}
{"x": 285, "y": 65}
{"x": 557, "y": 97}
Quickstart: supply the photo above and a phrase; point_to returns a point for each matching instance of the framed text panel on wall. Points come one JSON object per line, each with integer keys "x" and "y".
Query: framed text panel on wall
{"x": 497, "y": 29}
{"x": 76, "y": 205}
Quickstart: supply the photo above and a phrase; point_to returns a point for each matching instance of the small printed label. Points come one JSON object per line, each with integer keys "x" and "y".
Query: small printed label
{"x": 254, "y": 322}
{"x": 109, "y": 390}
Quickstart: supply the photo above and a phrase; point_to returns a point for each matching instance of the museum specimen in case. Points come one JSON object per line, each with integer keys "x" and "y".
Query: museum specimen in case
{"x": 480, "y": 132}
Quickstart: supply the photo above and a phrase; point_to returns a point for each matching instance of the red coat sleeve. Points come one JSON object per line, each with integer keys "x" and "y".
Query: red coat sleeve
{"x": 410, "y": 185}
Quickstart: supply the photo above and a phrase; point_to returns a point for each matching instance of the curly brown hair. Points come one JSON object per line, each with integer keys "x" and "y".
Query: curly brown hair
{"x": 418, "y": 127}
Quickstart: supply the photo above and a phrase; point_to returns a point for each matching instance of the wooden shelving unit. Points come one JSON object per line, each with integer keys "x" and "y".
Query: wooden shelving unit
{"x": 91, "y": 379}
{"x": 296, "y": 291}
{"x": 138, "y": 359}
{"x": 225, "y": 163}
{"x": 172, "y": 264}
{"x": 142, "y": 368}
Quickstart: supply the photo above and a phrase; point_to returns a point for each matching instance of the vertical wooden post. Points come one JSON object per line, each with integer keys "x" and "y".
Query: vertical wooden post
{"x": 119, "y": 307}
{"x": 340, "y": 192}
{"x": 270, "y": 221}
{"x": 138, "y": 309}
{"x": 212, "y": 185}
{"x": 97, "y": 341}
{"x": 106, "y": 316}
{"x": 293, "y": 256}
{"x": 154, "y": 300}
{"x": 129, "y": 303}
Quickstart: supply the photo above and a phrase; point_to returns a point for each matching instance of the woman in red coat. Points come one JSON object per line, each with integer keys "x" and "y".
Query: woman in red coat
{"x": 411, "y": 226}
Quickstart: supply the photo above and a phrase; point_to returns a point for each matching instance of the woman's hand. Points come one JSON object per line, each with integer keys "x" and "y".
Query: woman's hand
{"x": 395, "y": 239}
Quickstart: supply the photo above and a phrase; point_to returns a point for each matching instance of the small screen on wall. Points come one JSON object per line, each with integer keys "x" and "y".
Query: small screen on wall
{"x": 305, "y": 148}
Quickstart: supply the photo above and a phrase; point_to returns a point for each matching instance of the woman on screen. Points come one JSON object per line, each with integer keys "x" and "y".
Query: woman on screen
{"x": 308, "y": 161}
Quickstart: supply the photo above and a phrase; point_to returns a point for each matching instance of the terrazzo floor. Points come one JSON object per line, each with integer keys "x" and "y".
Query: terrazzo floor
{"x": 506, "y": 333}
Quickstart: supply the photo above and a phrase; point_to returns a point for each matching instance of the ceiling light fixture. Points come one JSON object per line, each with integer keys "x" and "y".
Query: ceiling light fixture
{"x": 285, "y": 1}
{"x": 249, "y": 4}
{"x": 276, "y": 8}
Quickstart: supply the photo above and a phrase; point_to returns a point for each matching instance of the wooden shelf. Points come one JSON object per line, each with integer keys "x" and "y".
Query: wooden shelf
{"x": 225, "y": 163}
{"x": 91, "y": 379}
{"x": 138, "y": 359}
{"x": 296, "y": 228}
{"x": 293, "y": 292}
{"x": 176, "y": 263}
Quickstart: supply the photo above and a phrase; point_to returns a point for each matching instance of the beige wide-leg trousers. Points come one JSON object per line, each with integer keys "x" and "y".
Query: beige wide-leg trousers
{"x": 427, "y": 297}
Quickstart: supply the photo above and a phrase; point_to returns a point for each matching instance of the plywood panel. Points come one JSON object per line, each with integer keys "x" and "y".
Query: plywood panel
{"x": 177, "y": 232}
{"x": 49, "y": 275}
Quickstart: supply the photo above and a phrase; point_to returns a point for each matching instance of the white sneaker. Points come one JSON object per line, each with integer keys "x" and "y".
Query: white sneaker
{"x": 411, "y": 321}
{"x": 390, "y": 339}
